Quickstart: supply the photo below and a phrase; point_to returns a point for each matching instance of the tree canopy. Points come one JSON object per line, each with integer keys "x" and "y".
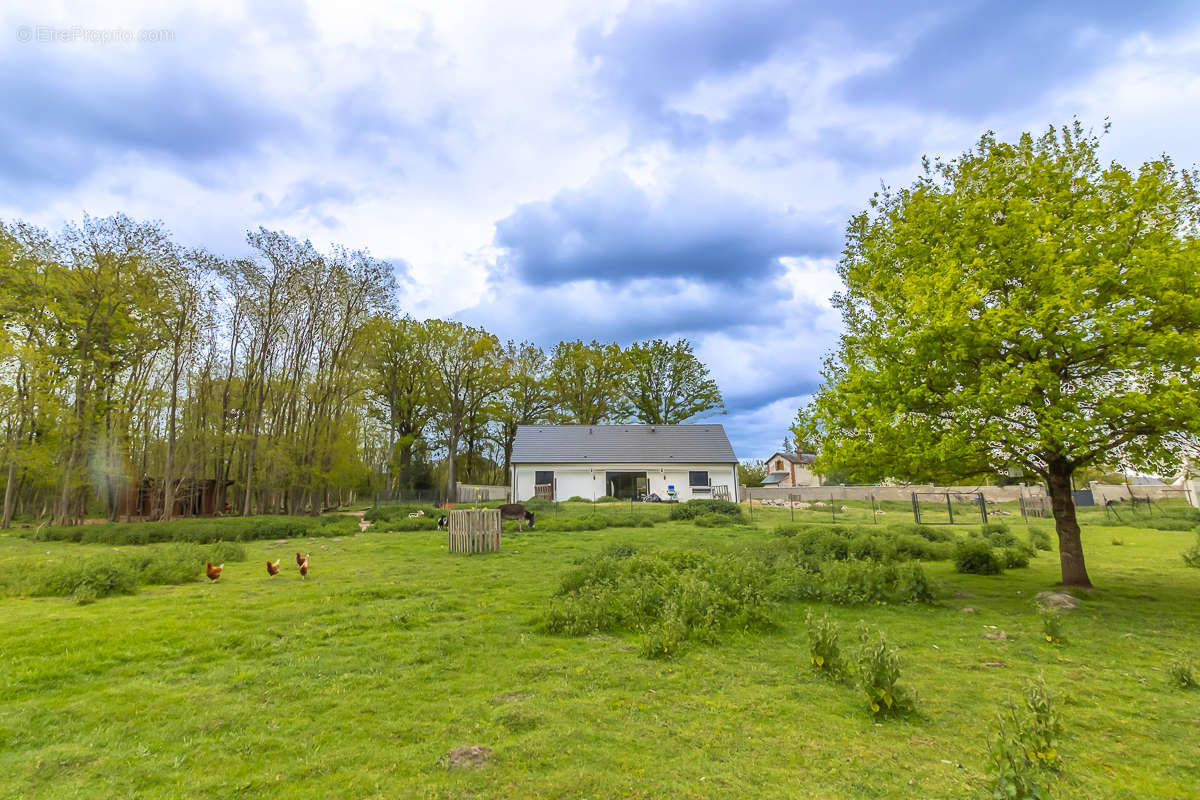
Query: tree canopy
{"x": 1022, "y": 305}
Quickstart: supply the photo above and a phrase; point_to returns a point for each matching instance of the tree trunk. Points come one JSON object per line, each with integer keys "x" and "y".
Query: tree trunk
{"x": 1070, "y": 546}
{"x": 451, "y": 470}
{"x": 9, "y": 492}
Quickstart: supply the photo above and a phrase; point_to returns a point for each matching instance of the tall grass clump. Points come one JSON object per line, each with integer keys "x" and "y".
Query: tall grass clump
{"x": 826, "y": 653}
{"x": 1025, "y": 746}
{"x": 878, "y": 673}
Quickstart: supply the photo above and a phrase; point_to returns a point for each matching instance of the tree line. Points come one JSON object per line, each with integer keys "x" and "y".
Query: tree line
{"x": 136, "y": 373}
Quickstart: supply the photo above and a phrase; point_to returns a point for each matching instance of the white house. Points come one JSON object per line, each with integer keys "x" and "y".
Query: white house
{"x": 682, "y": 462}
{"x": 791, "y": 469}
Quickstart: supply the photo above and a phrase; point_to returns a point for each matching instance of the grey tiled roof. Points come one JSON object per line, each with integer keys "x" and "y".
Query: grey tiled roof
{"x": 798, "y": 458}
{"x": 622, "y": 444}
{"x": 773, "y": 478}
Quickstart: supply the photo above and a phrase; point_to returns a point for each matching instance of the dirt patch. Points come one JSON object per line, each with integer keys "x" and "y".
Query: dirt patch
{"x": 1057, "y": 600}
{"x": 473, "y": 756}
{"x": 996, "y": 635}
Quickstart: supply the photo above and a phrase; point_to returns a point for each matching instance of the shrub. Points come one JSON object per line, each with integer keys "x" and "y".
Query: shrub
{"x": 997, "y": 534}
{"x": 826, "y": 656}
{"x": 694, "y": 508}
{"x": 1117, "y": 542}
{"x": 975, "y": 557}
{"x": 871, "y": 548}
{"x": 1051, "y": 625}
{"x": 1025, "y": 745}
{"x": 1014, "y": 557}
{"x": 1182, "y": 674}
{"x": 578, "y": 499}
{"x": 878, "y": 673}
{"x": 913, "y": 585}
{"x": 91, "y": 578}
{"x": 538, "y": 504}
{"x": 1039, "y": 539}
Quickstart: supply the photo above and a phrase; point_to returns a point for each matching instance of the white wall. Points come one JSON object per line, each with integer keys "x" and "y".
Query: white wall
{"x": 587, "y": 480}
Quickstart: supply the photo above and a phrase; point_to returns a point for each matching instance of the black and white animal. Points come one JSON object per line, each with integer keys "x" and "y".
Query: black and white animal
{"x": 443, "y": 522}
{"x": 516, "y": 511}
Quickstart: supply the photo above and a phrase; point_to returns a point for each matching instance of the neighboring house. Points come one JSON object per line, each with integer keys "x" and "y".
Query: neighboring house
{"x": 683, "y": 462}
{"x": 791, "y": 469}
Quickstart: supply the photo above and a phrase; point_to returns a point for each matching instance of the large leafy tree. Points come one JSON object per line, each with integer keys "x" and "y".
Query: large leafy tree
{"x": 465, "y": 365}
{"x": 525, "y": 398}
{"x": 1022, "y": 305}
{"x": 666, "y": 384}
{"x": 585, "y": 380}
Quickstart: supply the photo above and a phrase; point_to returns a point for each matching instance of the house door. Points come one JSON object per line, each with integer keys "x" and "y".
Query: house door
{"x": 625, "y": 485}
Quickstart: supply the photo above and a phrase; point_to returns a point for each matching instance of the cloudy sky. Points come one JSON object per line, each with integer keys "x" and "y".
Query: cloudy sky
{"x": 612, "y": 170}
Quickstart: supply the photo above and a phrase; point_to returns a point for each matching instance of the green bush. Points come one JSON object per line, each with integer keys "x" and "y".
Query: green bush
{"x": 90, "y": 578}
{"x": 578, "y": 499}
{"x": 878, "y": 675}
{"x": 694, "y": 508}
{"x": 669, "y": 596}
{"x": 608, "y": 498}
{"x": 976, "y": 557}
{"x": 997, "y": 534}
{"x": 1039, "y": 539}
{"x": 929, "y": 533}
{"x": 537, "y": 504}
{"x": 1014, "y": 557}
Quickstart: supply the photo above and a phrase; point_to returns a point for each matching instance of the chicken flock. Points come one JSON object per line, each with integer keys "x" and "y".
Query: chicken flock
{"x": 213, "y": 571}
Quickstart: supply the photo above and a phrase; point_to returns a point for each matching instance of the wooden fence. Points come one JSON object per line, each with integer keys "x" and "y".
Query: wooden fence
{"x": 474, "y": 531}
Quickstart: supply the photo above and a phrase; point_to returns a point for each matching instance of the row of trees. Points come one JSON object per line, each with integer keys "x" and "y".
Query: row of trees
{"x": 453, "y": 388}
{"x": 136, "y": 374}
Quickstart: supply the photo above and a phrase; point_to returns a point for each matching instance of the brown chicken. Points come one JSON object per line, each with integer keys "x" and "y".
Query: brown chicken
{"x": 273, "y": 569}
{"x": 300, "y": 559}
{"x": 304, "y": 568}
{"x": 212, "y": 572}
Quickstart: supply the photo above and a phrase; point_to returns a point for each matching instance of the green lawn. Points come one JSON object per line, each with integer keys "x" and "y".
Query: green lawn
{"x": 359, "y": 681}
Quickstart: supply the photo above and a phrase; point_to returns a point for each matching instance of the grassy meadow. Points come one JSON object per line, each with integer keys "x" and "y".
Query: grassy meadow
{"x": 362, "y": 680}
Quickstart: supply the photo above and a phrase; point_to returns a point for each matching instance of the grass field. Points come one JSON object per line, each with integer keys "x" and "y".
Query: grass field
{"x": 361, "y": 680}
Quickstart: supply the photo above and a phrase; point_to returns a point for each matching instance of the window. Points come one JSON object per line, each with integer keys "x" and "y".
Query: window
{"x": 778, "y": 465}
{"x": 698, "y": 478}
{"x": 543, "y": 477}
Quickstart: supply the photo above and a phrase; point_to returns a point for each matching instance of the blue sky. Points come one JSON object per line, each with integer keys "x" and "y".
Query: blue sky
{"x": 610, "y": 170}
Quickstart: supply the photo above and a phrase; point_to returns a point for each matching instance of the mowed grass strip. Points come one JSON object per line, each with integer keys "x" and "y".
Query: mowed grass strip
{"x": 359, "y": 681}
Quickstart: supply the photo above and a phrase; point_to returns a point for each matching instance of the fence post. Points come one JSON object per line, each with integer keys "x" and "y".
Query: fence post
{"x": 832, "y": 508}
{"x": 874, "y": 516}
{"x": 750, "y": 501}
{"x": 983, "y": 508}
{"x": 792, "y": 506}
{"x": 949, "y": 508}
